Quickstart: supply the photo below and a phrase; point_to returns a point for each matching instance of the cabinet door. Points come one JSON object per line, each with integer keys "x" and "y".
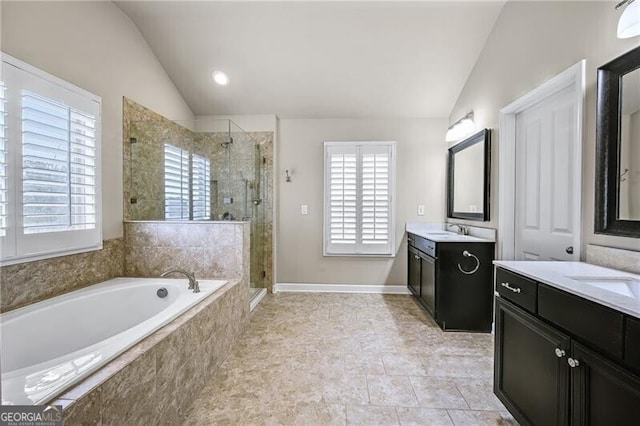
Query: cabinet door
{"x": 428, "y": 284}
{"x": 414, "y": 271}
{"x": 602, "y": 393}
{"x": 531, "y": 374}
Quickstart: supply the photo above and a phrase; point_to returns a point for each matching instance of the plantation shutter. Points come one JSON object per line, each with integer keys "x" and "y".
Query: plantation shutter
{"x": 342, "y": 203}
{"x": 201, "y": 187}
{"x": 376, "y": 197}
{"x": 50, "y": 186}
{"x": 4, "y": 207}
{"x": 358, "y": 198}
{"x": 176, "y": 182}
{"x": 58, "y": 166}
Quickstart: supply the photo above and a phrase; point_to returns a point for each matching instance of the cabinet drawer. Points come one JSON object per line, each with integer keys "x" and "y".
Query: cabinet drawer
{"x": 422, "y": 244}
{"x": 520, "y": 290}
{"x": 600, "y": 326}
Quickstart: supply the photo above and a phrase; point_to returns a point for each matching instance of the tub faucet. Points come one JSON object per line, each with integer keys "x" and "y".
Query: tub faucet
{"x": 193, "y": 283}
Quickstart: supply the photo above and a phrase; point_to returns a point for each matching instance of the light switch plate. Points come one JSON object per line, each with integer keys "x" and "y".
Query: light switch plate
{"x": 304, "y": 209}
{"x": 420, "y": 210}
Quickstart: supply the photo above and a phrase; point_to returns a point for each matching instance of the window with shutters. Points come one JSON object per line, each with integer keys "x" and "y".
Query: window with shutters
{"x": 3, "y": 161}
{"x": 49, "y": 166}
{"x": 176, "y": 182}
{"x": 201, "y": 187}
{"x": 359, "y": 189}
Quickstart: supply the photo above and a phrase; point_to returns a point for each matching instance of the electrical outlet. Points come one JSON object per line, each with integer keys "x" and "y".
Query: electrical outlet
{"x": 304, "y": 209}
{"x": 420, "y": 210}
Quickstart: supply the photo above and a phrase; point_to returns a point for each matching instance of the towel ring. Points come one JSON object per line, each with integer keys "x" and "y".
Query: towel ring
{"x": 474, "y": 270}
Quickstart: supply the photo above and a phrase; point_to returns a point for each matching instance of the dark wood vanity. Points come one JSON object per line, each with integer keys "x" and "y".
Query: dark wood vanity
{"x": 562, "y": 359}
{"x": 454, "y": 288}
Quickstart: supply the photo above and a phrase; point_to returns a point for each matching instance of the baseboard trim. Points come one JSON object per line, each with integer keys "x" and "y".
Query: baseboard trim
{"x": 339, "y": 288}
{"x": 255, "y": 300}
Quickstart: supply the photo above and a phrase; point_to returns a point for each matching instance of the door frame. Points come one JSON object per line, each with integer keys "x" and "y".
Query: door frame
{"x": 573, "y": 76}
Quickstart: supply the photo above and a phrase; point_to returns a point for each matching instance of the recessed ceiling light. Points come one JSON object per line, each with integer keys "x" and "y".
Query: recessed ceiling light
{"x": 221, "y": 78}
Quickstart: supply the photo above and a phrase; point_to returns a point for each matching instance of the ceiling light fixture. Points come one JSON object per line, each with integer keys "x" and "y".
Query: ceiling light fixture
{"x": 461, "y": 128}
{"x": 629, "y": 23}
{"x": 220, "y": 77}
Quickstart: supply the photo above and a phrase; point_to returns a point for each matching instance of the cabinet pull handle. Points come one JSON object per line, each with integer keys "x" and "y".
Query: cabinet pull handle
{"x": 508, "y": 287}
{"x": 416, "y": 257}
{"x": 410, "y": 240}
{"x": 560, "y": 353}
{"x": 573, "y": 363}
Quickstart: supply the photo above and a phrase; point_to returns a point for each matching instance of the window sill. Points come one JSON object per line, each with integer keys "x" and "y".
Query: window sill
{"x": 17, "y": 261}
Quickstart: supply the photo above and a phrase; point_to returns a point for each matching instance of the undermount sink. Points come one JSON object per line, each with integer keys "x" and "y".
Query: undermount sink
{"x": 625, "y": 286}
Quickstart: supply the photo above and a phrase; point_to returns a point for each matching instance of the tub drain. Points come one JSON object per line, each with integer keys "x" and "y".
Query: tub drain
{"x": 162, "y": 292}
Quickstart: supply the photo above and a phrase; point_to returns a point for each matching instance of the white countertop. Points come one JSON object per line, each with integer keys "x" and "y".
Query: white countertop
{"x": 585, "y": 280}
{"x": 436, "y": 232}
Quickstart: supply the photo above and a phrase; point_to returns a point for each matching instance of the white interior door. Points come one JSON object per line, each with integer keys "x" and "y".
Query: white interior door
{"x": 547, "y": 198}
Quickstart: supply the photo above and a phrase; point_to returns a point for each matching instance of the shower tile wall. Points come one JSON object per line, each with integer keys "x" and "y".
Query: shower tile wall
{"x": 238, "y": 181}
{"x": 143, "y": 161}
{"x": 31, "y": 282}
{"x": 144, "y": 168}
{"x": 210, "y": 249}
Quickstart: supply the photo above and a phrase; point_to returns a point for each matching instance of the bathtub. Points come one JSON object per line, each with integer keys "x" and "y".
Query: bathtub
{"x": 51, "y": 345}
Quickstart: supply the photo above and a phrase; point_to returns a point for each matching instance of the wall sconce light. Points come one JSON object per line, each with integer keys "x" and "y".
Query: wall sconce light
{"x": 288, "y": 175}
{"x": 629, "y": 23}
{"x": 461, "y": 128}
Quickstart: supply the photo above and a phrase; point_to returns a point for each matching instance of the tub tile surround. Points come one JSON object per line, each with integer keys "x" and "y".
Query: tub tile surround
{"x": 212, "y": 250}
{"x": 609, "y": 257}
{"x": 156, "y": 380}
{"x": 30, "y": 282}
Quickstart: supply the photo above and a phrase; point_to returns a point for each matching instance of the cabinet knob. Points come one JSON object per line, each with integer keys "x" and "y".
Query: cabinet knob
{"x": 559, "y": 353}
{"x": 569, "y": 250}
{"x": 573, "y": 363}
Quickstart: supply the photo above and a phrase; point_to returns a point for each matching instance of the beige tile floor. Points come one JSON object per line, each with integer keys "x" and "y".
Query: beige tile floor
{"x": 351, "y": 359}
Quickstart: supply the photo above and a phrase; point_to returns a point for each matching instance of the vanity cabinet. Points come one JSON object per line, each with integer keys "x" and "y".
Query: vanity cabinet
{"x": 530, "y": 379}
{"x": 453, "y": 287}
{"x": 562, "y": 362}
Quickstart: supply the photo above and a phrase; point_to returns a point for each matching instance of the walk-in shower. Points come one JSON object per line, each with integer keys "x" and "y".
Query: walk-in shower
{"x": 201, "y": 170}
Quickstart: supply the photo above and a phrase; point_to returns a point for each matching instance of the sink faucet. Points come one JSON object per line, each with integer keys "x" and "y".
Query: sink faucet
{"x": 193, "y": 283}
{"x": 462, "y": 229}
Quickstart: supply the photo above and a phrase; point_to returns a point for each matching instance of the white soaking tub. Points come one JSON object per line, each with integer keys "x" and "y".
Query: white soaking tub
{"x": 51, "y": 345}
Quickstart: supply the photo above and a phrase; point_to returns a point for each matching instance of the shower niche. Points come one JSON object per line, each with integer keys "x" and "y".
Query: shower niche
{"x": 208, "y": 170}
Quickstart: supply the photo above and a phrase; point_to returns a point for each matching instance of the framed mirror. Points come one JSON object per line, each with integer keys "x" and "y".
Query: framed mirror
{"x": 617, "y": 208}
{"x": 468, "y": 178}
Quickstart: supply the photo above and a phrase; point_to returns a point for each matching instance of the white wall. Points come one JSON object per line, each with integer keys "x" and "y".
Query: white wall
{"x": 96, "y": 47}
{"x": 421, "y": 166}
{"x": 530, "y": 43}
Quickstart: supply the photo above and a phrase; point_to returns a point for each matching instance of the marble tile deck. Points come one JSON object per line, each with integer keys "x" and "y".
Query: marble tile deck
{"x": 350, "y": 359}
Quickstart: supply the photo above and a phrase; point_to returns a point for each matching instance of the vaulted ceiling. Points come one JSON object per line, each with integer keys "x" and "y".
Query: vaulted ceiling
{"x": 317, "y": 59}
